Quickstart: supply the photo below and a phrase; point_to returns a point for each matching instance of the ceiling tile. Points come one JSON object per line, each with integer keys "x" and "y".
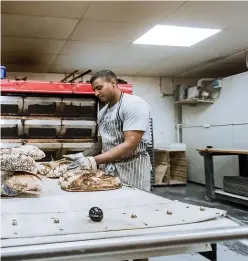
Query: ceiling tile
{"x": 137, "y": 57}
{"x": 31, "y": 45}
{"x": 210, "y": 14}
{"x": 227, "y": 42}
{"x": 103, "y": 39}
{"x": 176, "y": 63}
{"x": 236, "y": 58}
{"x": 68, "y": 64}
{"x": 127, "y": 70}
{"x": 37, "y": 27}
{"x": 87, "y": 54}
{"x": 27, "y": 68}
{"x": 220, "y": 69}
{"x": 57, "y": 68}
{"x": 131, "y": 11}
{"x": 91, "y": 49}
{"x": 150, "y": 73}
{"x": 77, "y": 62}
{"x": 26, "y": 58}
{"x": 160, "y": 68}
{"x": 211, "y": 50}
{"x": 67, "y": 9}
{"x": 92, "y": 54}
{"x": 117, "y": 32}
{"x": 67, "y": 68}
{"x": 144, "y": 53}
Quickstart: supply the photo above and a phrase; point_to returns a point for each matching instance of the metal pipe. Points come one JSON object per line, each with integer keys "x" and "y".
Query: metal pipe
{"x": 246, "y": 59}
{"x": 68, "y": 76}
{"x": 81, "y": 75}
{"x": 178, "y": 132}
{"x": 199, "y": 83}
{"x": 111, "y": 245}
{"x": 213, "y": 125}
{"x": 178, "y": 127}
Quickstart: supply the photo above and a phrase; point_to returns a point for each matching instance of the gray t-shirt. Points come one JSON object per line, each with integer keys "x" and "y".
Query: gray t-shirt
{"x": 134, "y": 113}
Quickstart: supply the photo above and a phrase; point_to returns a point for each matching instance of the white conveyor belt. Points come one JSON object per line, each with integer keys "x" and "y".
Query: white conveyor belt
{"x": 161, "y": 226}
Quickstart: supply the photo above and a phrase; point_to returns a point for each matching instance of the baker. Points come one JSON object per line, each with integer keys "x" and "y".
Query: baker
{"x": 124, "y": 130}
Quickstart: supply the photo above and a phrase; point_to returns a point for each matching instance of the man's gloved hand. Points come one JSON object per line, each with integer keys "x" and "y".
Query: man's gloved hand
{"x": 83, "y": 163}
{"x": 74, "y": 157}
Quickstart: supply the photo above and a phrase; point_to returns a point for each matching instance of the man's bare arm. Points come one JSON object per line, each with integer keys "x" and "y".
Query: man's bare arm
{"x": 123, "y": 150}
{"x": 95, "y": 149}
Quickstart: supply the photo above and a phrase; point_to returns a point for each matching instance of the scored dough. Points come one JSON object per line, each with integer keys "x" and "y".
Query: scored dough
{"x": 88, "y": 180}
{"x": 53, "y": 169}
{"x": 18, "y": 162}
{"x": 24, "y": 182}
{"x": 27, "y": 150}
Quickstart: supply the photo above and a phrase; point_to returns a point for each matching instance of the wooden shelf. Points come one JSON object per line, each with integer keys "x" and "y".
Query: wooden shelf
{"x": 176, "y": 182}
{"x": 223, "y": 151}
{"x": 220, "y": 194}
{"x": 170, "y": 168}
{"x": 170, "y": 183}
{"x": 194, "y": 101}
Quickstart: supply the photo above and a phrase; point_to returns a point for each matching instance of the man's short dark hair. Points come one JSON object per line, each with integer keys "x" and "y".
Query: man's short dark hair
{"x": 107, "y": 75}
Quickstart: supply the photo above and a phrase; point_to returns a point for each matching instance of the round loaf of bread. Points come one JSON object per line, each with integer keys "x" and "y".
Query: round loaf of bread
{"x": 18, "y": 162}
{"x": 24, "y": 182}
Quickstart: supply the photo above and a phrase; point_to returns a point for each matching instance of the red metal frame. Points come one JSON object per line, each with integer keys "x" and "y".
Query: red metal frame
{"x": 53, "y": 87}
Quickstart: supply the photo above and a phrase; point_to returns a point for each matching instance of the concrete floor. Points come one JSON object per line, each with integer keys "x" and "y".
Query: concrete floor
{"x": 195, "y": 194}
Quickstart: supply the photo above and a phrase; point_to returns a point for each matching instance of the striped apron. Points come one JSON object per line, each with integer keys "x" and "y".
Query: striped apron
{"x": 134, "y": 170}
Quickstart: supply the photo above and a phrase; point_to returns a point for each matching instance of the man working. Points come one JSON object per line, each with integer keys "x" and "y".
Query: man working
{"x": 124, "y": 133}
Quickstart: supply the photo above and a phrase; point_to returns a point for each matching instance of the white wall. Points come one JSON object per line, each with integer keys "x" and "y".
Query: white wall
{"x": 230, "y": 111}
{"x": 162, "y": 109}
{"x": 148, "y": 88}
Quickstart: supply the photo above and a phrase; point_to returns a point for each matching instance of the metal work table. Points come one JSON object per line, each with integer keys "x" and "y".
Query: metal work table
{"x": 208, "y": 154}
{"x": 161, "y": 227}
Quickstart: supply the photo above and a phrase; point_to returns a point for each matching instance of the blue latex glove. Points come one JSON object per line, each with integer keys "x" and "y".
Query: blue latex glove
{"x": 7, "y": 191}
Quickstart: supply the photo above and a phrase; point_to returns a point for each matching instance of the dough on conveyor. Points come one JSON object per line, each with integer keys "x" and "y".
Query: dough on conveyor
{"x": 88, "y": 180}
{"x": 53, "y": 169}
{"x": 44, "y": 168}
{"x": 27, "y": 150}
{"x": 5, "y": 174}
{"x": 24, "y": 182}
{"x": 17, "y": 162}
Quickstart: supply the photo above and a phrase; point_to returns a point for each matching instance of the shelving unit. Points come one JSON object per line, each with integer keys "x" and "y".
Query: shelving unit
{"x": 170, "y": 168}
{"x": 231, "y": 184}
{"x": 194, "y": 101}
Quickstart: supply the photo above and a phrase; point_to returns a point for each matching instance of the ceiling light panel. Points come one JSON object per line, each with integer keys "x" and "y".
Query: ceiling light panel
{"x": 175, "y": 35}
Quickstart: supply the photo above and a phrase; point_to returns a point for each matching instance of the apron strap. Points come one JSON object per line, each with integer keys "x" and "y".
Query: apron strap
{"x": 118, "y": 109}
{"x": 119, "y": 106}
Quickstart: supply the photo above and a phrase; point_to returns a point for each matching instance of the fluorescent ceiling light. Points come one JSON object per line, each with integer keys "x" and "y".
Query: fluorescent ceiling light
{"x": 175, "y": 35}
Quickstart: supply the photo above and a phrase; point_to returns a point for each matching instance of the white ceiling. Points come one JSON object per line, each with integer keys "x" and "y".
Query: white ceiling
{"x": 60, "y": 37}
